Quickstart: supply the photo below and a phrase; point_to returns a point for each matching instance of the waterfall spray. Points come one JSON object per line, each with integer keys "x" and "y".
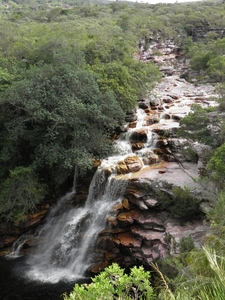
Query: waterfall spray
{"x": 67, "y": 242}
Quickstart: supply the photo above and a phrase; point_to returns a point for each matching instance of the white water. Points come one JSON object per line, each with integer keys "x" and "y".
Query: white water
{"x": 67, "y": 241}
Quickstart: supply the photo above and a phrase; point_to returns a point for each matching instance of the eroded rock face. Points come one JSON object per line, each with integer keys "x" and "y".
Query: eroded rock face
{"x": 144, "y": 229}
{"x": 9, "y": 235}
{"x": 140, "y": 229}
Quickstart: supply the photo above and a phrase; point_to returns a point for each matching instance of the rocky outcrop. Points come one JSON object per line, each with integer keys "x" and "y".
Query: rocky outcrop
{"x": 144, "y": 227}
{"x": 202, "y": 32}
{"x": 10, "y": 234}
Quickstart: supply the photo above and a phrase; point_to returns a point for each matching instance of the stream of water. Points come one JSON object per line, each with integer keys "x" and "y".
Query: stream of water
{"x": 66, "y": 243}
{"x": 65, "y": 246}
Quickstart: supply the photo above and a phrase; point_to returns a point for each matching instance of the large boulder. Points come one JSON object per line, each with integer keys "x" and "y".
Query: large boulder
{"x": 133, "y": 163}
{"x": 139, "y": 135}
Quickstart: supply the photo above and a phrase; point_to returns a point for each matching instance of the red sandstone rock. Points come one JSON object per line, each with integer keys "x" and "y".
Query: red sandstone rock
{"x": 151, "y": 202}
{"x": 162, "y": 171}
{"x": 153, "y": 159}
{"x": 108, "y": 171}
{"x": 139, "y": 203}
{"x": 112, "y": 221}
{"x": 133, "y": 163}
{"x": 161, "y": 143}
{"x": 35, "y": 218}
{"x": 147, "y": 110}
{"x": 125, "y": 203}
{"x": 125, "y": 219}
{"x": 122, "y": 168}
{"x": 137, "y": 146}
{"x": 147, "y": 251}
{"x": 151, "y": 221}
{"x": 127, "y": 240}
{"x": 96, "y": 163}
{"x": 149, "y": 235}
{"x": 8, "y": 240}
{"x": 117, "y": 207}
{"x": 158, "y": 151}
{"x": 139, "y": 135}
{"x": 132, "y": 124}
{"x": 135, "y": 193}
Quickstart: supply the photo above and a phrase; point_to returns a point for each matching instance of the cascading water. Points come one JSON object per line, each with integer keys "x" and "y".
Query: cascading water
{"x": 66, "y": 242}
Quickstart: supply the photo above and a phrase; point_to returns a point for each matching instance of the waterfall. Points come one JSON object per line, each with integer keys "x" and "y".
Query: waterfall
{"x": 67, "y": 241}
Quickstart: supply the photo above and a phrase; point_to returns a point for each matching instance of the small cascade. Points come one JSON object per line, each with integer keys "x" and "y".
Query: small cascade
{"x": 66, "y": 243}
{"x": 18, "y": 245}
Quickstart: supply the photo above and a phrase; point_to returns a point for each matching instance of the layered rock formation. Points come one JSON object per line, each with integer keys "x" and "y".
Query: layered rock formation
{"x": 157, "y": 166}
{"x": 143, "y": 227}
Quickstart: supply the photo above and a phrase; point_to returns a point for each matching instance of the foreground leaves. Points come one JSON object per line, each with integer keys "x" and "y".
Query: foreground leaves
{"x": 113, "y": 283}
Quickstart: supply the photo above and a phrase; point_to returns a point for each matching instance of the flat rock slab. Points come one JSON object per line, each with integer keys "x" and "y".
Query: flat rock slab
{"x": 176, "y": 174}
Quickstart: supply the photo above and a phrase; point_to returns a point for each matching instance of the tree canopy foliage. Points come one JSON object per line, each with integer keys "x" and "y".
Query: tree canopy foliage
{"x": 114, "y": 283}
{"x": 67, "y": 77}
{"x": 68, "y": 73}
{"x": 60, "y": 117}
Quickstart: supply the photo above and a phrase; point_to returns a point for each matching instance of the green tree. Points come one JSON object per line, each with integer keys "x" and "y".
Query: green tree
{"x": 217, "y": 165}
{"x": 55, "y": 118}
{"x": 200, "y": 59}
{"x": 216, "y": 68}
{"x": 181, "y": 204}
{"x": 113, "y": 283}
{"x": 186, "y": 244}
{"x": 20, "y": 193}
{"x": 220, "y": 89}
{"x": 194, "y": 125}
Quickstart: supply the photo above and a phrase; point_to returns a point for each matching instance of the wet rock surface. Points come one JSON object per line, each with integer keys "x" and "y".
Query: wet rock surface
{"x": 153, "y": 161}
{"x": 143, "y": 230}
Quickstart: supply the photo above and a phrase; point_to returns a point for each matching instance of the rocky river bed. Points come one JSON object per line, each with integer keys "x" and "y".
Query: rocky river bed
{"x": 160, "y": 162}
{"x": 129, "y": 192}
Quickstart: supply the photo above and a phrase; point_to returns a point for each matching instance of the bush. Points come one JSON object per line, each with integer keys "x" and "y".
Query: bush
{"x": 182, "y": 205}
{"x": 186, "y": 244}
{"x": 217, "y": 165}
{"x": 20, "y": 193}
{"x": 194, "y": 125}
{"x": 113, "y": 283}
{"x": 216, "y": 216}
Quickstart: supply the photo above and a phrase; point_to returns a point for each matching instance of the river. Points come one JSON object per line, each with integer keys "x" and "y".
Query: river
{"x": 67, "y": 241}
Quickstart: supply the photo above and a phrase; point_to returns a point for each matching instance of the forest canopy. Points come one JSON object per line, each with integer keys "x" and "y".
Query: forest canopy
{"x": 70, "y": 71}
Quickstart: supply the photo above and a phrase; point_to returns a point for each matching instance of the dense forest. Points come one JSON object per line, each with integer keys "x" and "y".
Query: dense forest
{"x": 68, "y": 74}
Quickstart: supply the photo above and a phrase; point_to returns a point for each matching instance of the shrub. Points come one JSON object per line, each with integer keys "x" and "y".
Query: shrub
{"x": 194, "y": 125}
{"x": 113, "y": 283}
{"x": 186, "y": 244}
{"x": 217, "y": 166}
{"x": 20, "y": 193}
{"x": 182, "y": 205}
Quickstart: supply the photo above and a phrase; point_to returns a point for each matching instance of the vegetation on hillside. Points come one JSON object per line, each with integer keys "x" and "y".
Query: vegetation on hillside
{"x": 68, "y": 73}
{"x": 196, "y": 274}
